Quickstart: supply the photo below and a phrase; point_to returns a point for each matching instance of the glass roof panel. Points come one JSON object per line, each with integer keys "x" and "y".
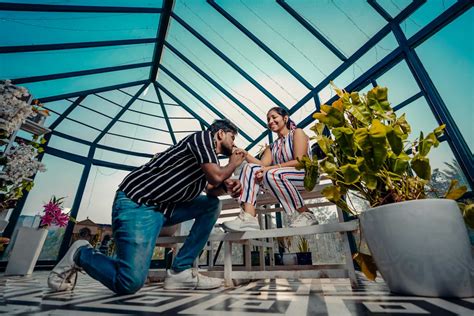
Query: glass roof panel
{"x": 285, "y": 36}
{"x": 114, "y": 3}
{"x": 424, "y": 15}
{"x": 229, "y": 40}
{"x": 20, "y": 65}
{"x": 394, "y": 7}
{"x": 69, "y": 85}
{"x": 346, "y": 24}
{"x": 35, "y": 28}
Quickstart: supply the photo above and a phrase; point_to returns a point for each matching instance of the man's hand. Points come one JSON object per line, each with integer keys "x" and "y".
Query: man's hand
{"x": 240, "y": 150}
{"x": 237, "y": 158}
{"x": 233, "y": 187}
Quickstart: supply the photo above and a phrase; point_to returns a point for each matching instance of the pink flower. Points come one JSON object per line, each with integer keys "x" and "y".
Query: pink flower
{"x": 53, "y": 213}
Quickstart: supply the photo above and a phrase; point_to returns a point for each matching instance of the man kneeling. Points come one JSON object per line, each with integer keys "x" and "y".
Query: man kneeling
{"x": 163, "y": 192}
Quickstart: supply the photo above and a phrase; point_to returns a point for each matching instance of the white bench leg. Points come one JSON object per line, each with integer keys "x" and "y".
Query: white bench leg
{"x": 228, "y": 264}
{"x": 248, "y": 257}
{"x": 347, "y": 253}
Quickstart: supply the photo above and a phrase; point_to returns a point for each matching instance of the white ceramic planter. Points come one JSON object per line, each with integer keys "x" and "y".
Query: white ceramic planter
{"x": 421, "y": 247}
{"x": 26, "y": 250}
{"x": 289, "y": 259}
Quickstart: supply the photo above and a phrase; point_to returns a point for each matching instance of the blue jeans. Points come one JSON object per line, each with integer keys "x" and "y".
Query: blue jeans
{"x": 135, "y": 228}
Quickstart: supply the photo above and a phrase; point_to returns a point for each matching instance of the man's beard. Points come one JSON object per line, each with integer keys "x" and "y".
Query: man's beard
{"x": 226, "y": 151}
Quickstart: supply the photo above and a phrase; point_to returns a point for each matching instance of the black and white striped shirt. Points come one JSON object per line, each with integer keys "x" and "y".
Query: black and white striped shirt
{"x": 172, "y": 176}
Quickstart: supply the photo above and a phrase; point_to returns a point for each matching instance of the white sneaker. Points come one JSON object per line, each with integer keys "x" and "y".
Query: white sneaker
{"x": 304, "y": 219}
{"x": 243, "y": 222}
{"x": 190, "y": 279}
{"x": 64, "y": 274}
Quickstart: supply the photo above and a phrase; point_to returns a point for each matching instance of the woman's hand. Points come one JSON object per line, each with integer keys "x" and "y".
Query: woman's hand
{"x": 261, "y": 172}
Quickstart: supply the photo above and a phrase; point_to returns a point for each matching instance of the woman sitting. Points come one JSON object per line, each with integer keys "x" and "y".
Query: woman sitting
{"x": 276, "y": 171}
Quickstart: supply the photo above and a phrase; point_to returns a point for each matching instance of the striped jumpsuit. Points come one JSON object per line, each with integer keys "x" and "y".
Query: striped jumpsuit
{"x": 284, "y": 183}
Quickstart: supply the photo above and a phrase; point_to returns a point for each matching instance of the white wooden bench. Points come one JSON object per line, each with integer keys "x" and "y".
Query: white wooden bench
{"x": 265, "y": 239}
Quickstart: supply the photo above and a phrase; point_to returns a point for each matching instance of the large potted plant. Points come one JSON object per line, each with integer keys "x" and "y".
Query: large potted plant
{"x": 419, "y": 245}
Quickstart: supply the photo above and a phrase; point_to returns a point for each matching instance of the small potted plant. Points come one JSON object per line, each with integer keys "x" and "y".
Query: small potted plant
{"x": 29, "y": 240}
{"x": 419, "y": 245}
{"x": 287, "y": 257}
{"x": 304, "y": 254}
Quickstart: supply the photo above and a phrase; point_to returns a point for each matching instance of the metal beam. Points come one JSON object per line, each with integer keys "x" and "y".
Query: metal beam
{"x": 163, "y": 26}
{"x": 119, "y": 114}
{"x": 63, "y": 46}
{"x": 8, "y": 6}
{"x": 228, "y": 61}
{"x": 201, "y": 99}
{"x": 184, "y": 106}
{"x": 260, "y": 44}
{"x": 312, "y": 30}
{"x": 380, "y": 10}
{"x": 92, "y": 91}
{"x": 215, "y": 84}
{"x": 165, "y": 114}
{"x": 79, "y": 73}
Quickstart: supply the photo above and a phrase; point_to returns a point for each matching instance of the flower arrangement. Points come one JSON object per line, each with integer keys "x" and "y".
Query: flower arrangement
{"x": 53, "y": 213}
{"x": 20, "y": 164}
{"x": 14, "y": 107}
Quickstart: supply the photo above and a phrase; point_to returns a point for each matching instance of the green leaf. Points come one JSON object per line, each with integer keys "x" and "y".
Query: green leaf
{"x": 468, "y": 215}
{"x": 325, "y": 144}
{"x": 318, "y": 128}
{"x": 378, "y": 139}
{"x": 351, "y": 173}
{"x": 395, "y": 141}
{"x": 439, "y": 130}
{"x": 344, "y": 138}
{"x": 367, "y": 265}
{"x": 421, "y": 165}
{"x": 328, "y": 167}
{"x": 454, "y": 191}
{"x": 332, "y": 193}
{"x": 399, "y": 164}
{"x": 370, "y": 180}
{"x": 330, "y": 116}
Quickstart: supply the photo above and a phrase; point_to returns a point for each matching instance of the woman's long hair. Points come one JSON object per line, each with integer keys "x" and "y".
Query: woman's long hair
{"x": 281, "y": 111}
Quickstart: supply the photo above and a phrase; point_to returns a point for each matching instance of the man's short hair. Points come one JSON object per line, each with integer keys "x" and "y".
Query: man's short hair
{"x": 223, "y": 124}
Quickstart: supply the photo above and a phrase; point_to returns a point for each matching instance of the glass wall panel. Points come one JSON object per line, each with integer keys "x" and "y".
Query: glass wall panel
{"x": 454, "y": 79}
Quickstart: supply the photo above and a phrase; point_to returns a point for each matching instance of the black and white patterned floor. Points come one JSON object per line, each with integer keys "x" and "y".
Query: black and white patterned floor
{"x": 30, "y": 296}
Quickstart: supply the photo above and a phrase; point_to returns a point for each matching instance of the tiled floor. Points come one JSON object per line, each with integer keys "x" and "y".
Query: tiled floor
{"x": 30, "y": 296}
